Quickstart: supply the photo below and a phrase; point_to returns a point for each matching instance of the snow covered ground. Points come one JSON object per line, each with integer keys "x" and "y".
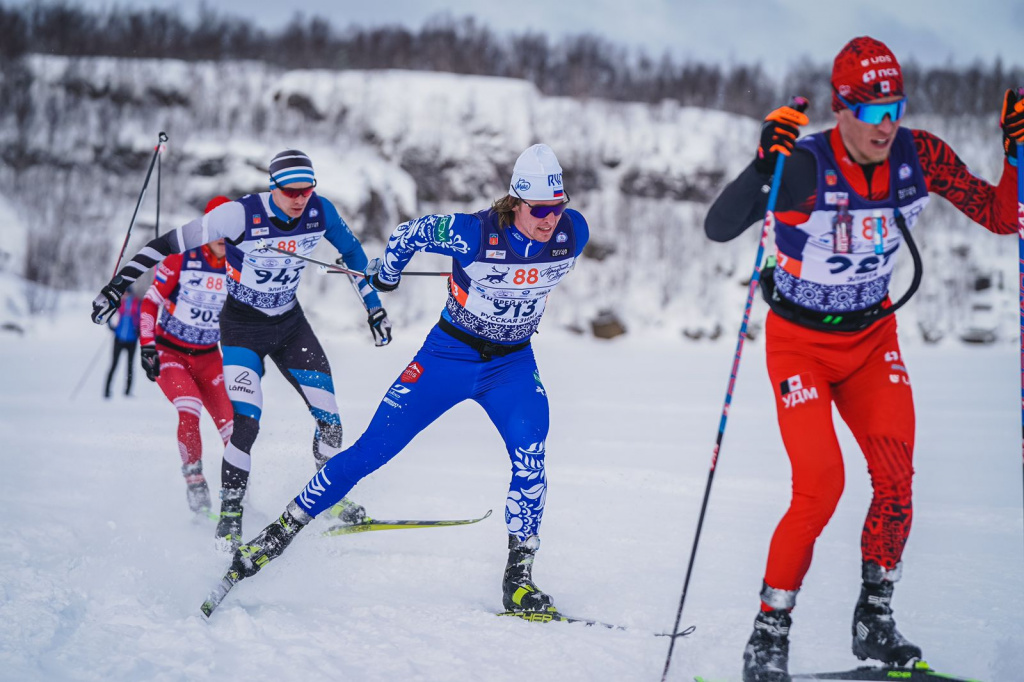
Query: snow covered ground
{"x": 102, "y": 570}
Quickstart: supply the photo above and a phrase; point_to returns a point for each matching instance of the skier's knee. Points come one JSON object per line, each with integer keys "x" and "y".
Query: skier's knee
{"x": 245, "y": 430}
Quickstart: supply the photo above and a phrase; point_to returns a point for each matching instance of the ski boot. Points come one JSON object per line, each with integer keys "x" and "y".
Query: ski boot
{"x": 196, "y": 490}
{"x": 229, "y": 528}
{"x": 519, "y": 593}
{"x": 874, "y": 630}
{"x": 249, "y": 558}
{"x": 346, "y": 513}
{"x": 766, "y": 658}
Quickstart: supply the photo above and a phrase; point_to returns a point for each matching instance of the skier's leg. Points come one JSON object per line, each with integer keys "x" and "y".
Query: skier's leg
{"x": 208, "y": 372}
{"x": 178, "y": 384}
{"x": 428, "y": 388}
{"x": 243, "y": 372}
{"x": 425, "y": 390}
{"x": 877, "y": 403}
{"x": 243, "y": 375}
{"x": 511, "y": 393}
{"x": 803, "y": 400}
{"x": 115, "y": 355}
{"x": 130, "y": 347}
{"x": 304, "y": 364}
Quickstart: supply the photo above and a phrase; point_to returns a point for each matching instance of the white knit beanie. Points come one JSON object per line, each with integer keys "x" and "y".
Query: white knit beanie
{"x": 537, "y": 175}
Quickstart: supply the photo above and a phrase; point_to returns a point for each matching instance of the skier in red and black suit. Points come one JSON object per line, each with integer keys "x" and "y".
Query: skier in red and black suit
{"x": 847, "y": 201}
{"x": 180, "y": 330}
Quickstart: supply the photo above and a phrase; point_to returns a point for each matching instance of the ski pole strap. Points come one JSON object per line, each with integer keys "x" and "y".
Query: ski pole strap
{"x": 488, "y": 350}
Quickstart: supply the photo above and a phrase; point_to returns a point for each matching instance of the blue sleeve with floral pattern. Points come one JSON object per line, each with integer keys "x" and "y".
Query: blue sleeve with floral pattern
{"x": 455, "y": 234}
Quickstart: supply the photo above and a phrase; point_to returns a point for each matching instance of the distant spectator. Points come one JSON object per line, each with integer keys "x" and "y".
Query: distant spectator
{"x": 126, "y": 337}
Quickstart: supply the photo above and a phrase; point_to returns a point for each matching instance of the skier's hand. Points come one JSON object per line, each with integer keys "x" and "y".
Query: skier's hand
{"x": 106, "y": 304}
{"x": 150, "y": 359}
{"x": 380, "y": 326}
{"x": 381, "y": 284}
{"x": 778, "y": 135}
{"x": 1012, "y": 121}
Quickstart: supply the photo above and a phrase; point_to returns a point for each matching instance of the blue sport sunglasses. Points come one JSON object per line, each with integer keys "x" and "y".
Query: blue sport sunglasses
{"x": 876, "y": 113}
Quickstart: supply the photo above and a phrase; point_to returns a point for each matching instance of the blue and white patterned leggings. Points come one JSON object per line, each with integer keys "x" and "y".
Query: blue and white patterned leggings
{"x": 444, "y": 373}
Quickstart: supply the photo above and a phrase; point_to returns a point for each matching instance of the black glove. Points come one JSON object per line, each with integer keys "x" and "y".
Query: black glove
{"x": 380, "y": 326}
{"x": 778, "y": 134}
{"x": 150, "y": 361}
{"x": 1012, "y": 121}
{"x": 106, "y": 304}
{"x": 373, "y": 269}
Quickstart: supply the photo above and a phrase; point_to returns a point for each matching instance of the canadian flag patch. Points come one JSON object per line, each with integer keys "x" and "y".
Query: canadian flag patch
{"x": 797, "y": 389}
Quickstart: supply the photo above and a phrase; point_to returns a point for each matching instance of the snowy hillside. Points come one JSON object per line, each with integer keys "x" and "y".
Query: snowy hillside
{"x": 390, "y": 145}
{"x": 102, "y": 571}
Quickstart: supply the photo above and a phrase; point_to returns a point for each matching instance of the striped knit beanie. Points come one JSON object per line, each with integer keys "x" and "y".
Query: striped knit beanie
{"x": 290, "y": 167}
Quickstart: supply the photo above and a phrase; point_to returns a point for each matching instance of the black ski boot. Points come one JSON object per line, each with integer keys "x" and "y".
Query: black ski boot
{"x": 346, "y": 513}
{"x": 249, "y": 558}
{"x": 519, "y": 591}
{"x": 874, "y": 630}
{"x": 229, "y": 528}
{"x": 766, "y": 658}
{"x": 196, "y": 490}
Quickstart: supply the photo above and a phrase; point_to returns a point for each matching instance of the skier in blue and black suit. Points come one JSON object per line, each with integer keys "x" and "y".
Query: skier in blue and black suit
{"x": 262, "y": 318}
{"x": 505, "y": 262}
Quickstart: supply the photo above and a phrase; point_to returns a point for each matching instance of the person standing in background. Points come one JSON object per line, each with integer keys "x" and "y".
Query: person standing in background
{"x": 126, "y": 338}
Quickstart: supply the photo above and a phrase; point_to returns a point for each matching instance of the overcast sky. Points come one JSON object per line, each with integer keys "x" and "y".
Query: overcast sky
{"x": 773, "y": 32}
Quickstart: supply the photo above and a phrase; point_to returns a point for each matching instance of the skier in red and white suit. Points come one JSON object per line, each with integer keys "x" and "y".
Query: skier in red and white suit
{"x": 180, "y": 330}
{"x": 849, "y": 198}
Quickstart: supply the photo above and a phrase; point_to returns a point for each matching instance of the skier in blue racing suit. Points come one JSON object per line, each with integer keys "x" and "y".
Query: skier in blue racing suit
{"x": 505, "y": 262}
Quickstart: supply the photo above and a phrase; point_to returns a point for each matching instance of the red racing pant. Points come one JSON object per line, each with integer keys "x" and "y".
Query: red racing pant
{"x": 863, "y": 374}
{"x": 192, "y": 382}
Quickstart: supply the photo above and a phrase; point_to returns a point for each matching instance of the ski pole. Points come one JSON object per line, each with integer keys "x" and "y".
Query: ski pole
{"x": 333, "y": 268}
{"x": 159, "y": 163}
{"x": 800, "y": 104}
{"x": 413, "y": 273}
{"x": 88, "y": 370}
{"x": 1020, "y": 257}
{"x": 161, "y": 137}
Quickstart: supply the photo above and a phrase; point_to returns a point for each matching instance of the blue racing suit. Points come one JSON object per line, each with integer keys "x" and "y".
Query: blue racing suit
{"x": 480, "y": 350}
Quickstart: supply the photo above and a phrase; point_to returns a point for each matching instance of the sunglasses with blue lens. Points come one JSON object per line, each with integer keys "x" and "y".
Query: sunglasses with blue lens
{"x": 543, "y": 211}
{"x": 876, "y": 113}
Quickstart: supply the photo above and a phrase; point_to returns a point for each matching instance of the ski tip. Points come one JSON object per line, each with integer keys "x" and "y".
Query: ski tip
{"x": 208, "y": 608}
{"x": 221, "y": 590}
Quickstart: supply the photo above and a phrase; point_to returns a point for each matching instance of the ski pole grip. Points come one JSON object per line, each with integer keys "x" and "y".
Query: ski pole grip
{"x": 162, "y": 136}
{"x": 799, "y": 103}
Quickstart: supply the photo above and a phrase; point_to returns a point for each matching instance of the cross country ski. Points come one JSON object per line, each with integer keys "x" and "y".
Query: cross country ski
{"x": 919, "y": 672}
{"x": 400, "y": 524}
